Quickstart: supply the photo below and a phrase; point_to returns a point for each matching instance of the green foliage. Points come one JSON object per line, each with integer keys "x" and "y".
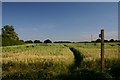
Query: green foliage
{"x": 29, "y": 41}
{"x": 10, "y": 37}
{"x": 37, "y": 41}
{"x": 8, "y": 31}
{"x": 112, "y": 40}
{"x": 10, "y": 42}
{"x": 47, "y": 41}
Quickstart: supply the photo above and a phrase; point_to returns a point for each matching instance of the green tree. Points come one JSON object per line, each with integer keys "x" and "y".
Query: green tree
{"x": 9, "y": 36}
{"x": 111, "y": 40}
{"x": 37, "y": 41}
{"x": 29, "y": 41}
{"x": 47, "y": 41}
{"x": 8, "y": 31}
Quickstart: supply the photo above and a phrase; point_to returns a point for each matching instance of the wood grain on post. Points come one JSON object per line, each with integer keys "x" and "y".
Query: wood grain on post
{"x": 102, "y": 50}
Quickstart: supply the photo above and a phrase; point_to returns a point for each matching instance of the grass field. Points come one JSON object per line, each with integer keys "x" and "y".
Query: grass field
{"x": 92, "y": 51}
{"x": 49, "y": 61}
{"x": 52, "y": 59}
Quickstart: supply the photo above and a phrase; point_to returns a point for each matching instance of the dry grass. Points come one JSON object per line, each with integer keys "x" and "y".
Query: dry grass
{"x": 52, "y": 58}
{"x": 49, "y": 57}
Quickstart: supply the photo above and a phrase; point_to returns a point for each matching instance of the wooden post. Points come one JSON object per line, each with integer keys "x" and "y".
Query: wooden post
{"x": 102, "y": 50}
{"x": 119, "y": 31}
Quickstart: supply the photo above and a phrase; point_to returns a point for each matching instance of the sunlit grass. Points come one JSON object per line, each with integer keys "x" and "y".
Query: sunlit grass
{"x": 37, "y": 57}
{"x": 53, "y": 59}
{"x": 92, "y": 51}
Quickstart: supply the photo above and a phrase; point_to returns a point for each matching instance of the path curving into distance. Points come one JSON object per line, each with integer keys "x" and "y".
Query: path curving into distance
{"x": 78, "y": 56}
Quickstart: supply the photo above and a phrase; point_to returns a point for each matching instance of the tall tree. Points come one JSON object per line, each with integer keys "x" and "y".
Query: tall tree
{"x": 8, "y": 31}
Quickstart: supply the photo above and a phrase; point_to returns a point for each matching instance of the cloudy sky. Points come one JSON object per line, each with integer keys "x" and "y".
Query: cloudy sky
{"x": 74, "y": 21}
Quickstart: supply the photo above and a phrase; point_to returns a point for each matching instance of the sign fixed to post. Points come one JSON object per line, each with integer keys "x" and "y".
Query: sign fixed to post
{"x": 99, "y": 35}
{"x": 102, "y": 49}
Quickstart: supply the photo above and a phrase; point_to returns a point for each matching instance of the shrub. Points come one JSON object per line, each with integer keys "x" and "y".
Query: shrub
{"x": 10, "y": 42}
{"x": 47, "y": 41}
{"x": 37, "y": 41}
{"x": 29, "y": 41}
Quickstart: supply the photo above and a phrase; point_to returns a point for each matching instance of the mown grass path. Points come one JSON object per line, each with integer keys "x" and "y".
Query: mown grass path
{"x": 77, "y": 56}
{"x": 77, "y": 72}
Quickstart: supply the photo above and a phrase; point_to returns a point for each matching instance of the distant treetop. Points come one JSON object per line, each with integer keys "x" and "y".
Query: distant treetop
{"x": 47, "y": 41}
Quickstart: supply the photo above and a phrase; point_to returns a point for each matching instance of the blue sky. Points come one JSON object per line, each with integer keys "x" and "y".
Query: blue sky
{"x": 61, "y": 20}
{"x": 59, "y": 0}
{"x": 0, "y": 14}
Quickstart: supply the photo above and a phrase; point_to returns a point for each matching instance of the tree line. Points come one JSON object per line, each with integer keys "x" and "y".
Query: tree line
{"x": 10, "y": 37}
{"x": 111, "y": 40}
{"x": 38, "y": 41}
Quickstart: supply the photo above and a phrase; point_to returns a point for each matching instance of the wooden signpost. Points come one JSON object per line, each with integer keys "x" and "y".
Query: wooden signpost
{"x": 102, "y": 49}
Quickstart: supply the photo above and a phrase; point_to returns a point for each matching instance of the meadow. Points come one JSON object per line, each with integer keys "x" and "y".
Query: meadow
{"x": 55, "y": 61}
{"x": 92, "y": 52}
